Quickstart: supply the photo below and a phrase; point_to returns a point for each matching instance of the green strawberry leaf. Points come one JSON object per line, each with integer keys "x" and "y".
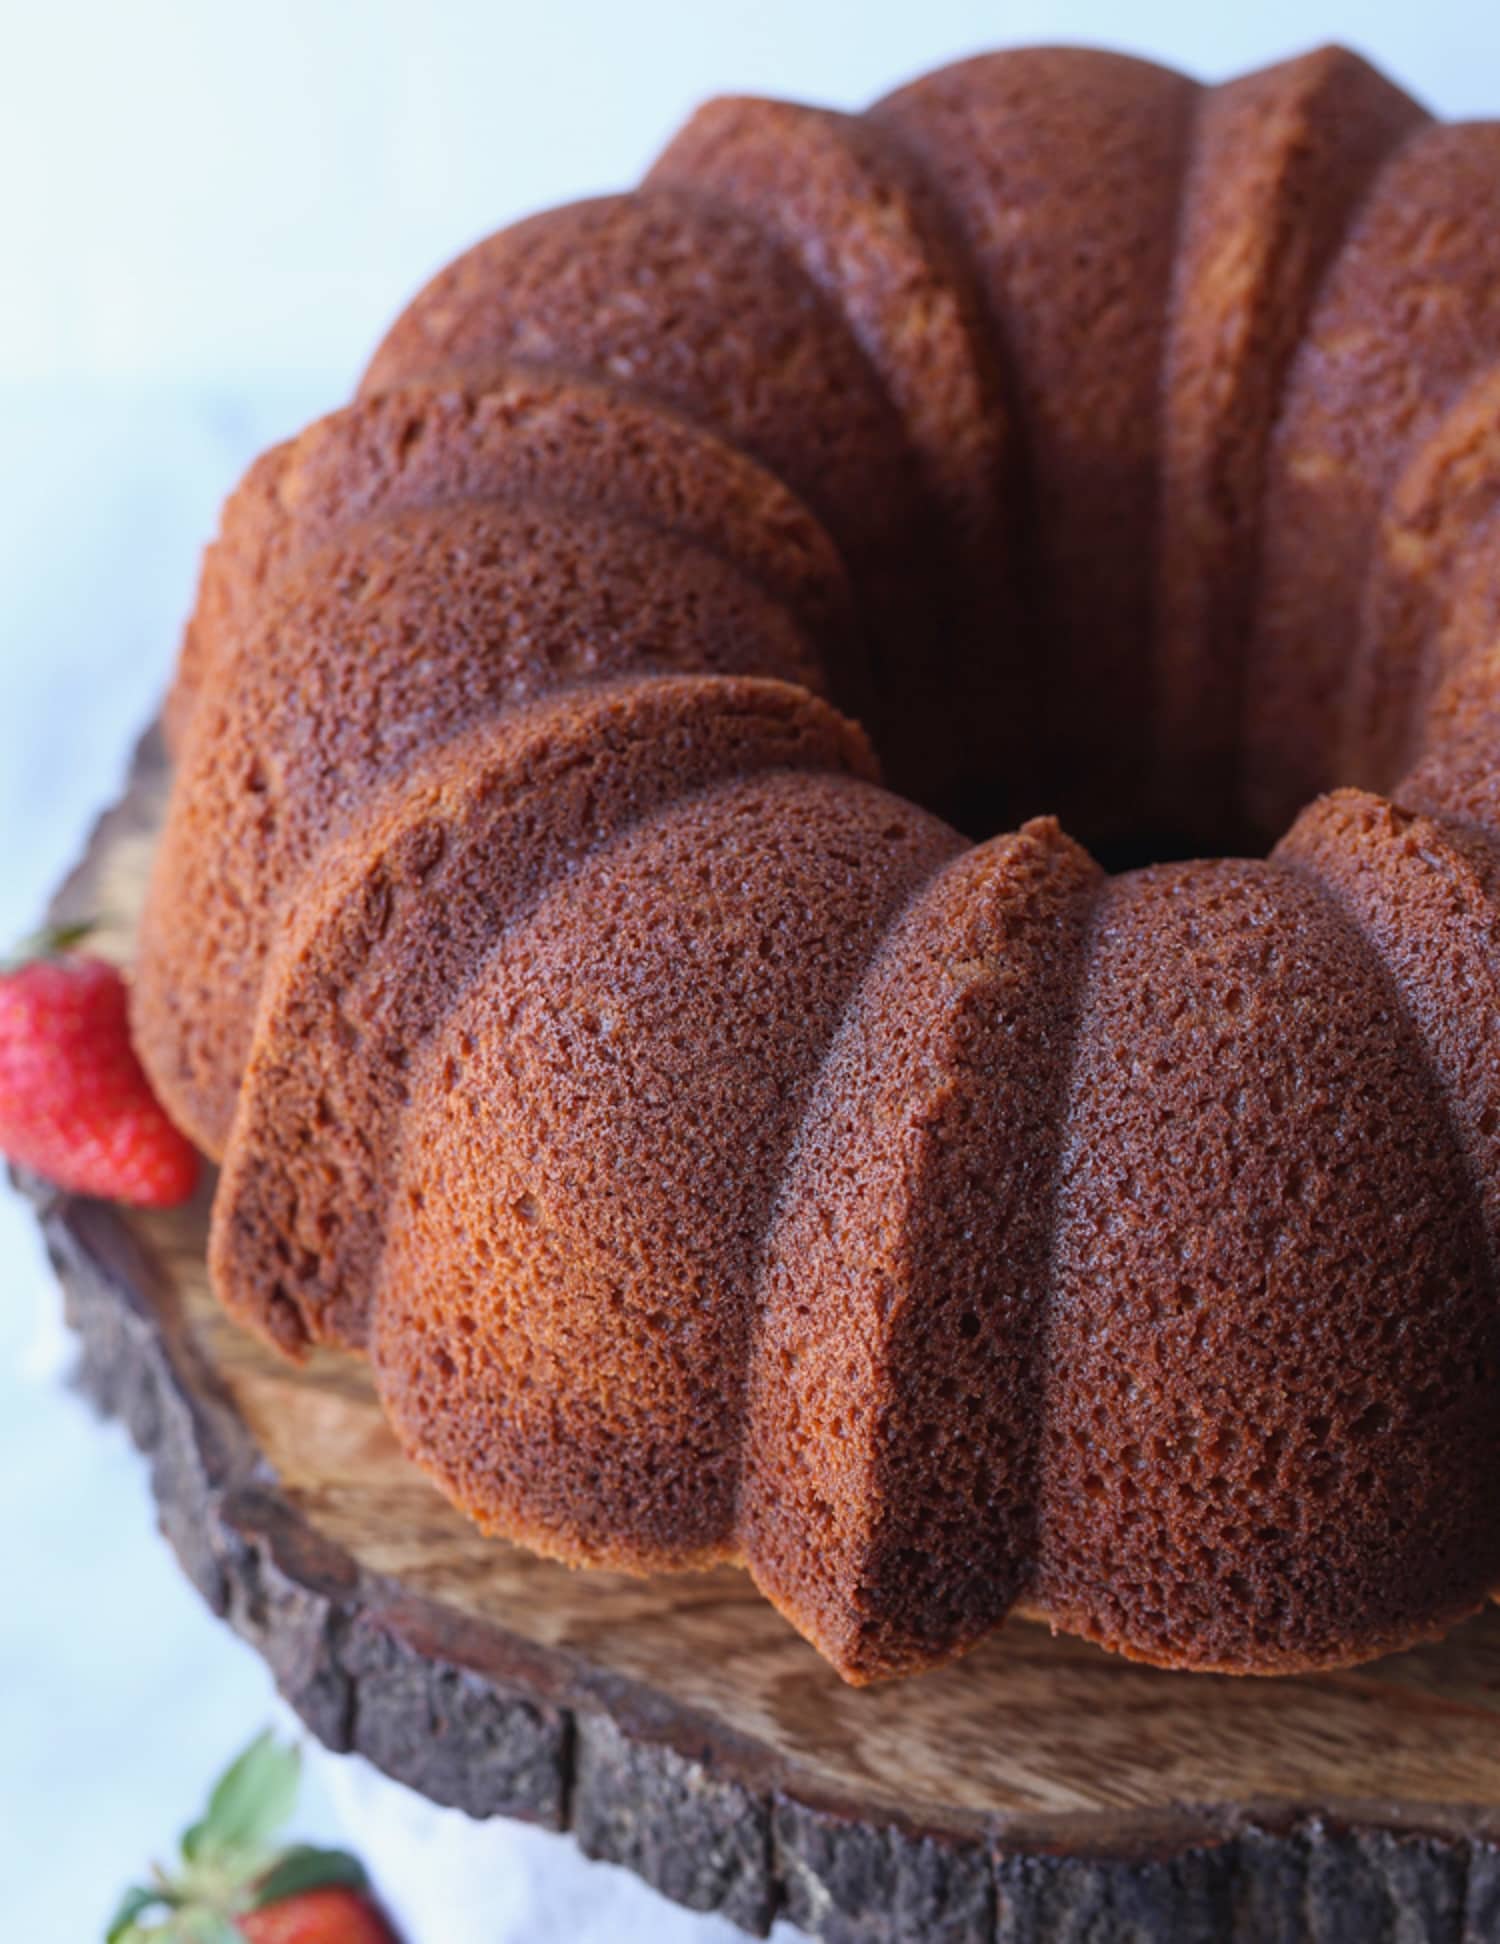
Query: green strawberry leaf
{"x": 251, "y": 1800}
{"x": 135, "y": 1900}
{"x": 303, "y": 1868}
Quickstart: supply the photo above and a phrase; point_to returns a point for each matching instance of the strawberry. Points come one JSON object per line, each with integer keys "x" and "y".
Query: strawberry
{"x": 334, "y": 1916}
{"x": 75, "y": 1104}
{"x": 233, "y": 1884}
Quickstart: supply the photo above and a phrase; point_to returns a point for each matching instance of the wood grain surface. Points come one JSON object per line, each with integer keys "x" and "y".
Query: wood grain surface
{"x": 1039, "y": 1789}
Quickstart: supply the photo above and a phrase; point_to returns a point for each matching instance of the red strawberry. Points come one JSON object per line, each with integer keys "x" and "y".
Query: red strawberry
{"x": 75, "y": 1105}
{"x": 336, "y": 1916}
{"x": 234, "y": 1881}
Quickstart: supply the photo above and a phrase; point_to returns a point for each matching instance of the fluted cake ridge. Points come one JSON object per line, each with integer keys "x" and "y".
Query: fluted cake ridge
{"x": 716, "y": 1153}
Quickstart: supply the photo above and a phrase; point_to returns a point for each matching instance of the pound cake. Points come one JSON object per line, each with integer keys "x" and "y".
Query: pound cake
{"x": 580, "y": 935}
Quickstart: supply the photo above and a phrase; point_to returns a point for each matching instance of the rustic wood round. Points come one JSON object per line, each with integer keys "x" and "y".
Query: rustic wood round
{"x": 1038, "y": 1790}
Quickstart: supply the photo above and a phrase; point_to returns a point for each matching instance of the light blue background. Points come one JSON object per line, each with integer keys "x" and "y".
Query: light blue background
{"x": 206, "y": 216}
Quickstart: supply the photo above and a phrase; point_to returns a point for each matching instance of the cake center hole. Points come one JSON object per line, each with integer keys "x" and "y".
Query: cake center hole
{"x": 1119, "y": 844}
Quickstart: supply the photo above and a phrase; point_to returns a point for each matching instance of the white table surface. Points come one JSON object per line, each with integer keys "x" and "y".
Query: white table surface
{"x": 208, "y": 215}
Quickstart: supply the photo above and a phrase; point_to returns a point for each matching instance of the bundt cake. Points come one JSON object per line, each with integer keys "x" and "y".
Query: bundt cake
{"x": 716, "y": 1154}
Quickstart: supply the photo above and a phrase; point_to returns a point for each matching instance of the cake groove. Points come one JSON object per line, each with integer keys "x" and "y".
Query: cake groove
{"x": 684, "y": 303}
{"x": 1455, "y": 779}
{"x": 398, "y": 636}
{"x": 888, "y": 1513}
{"x": 1241, "y": 1513}
{"x": 1400, "y": 876}
{"x": 1061, "y": 170}
{"x": 347, "y": 1005}
{"x": 841, "y": 196}
{"x": 695, "y": 969}
{"x": 509, "y": 437}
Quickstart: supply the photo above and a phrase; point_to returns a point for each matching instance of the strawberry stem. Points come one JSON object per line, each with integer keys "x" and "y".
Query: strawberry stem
{"x": 50, "y": 941}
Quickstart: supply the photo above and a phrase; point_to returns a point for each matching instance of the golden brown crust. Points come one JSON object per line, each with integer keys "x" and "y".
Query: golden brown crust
{"x": 517, "y": 437}
{"x": 1281, "y": 160}
{"x": 593, "y": 1146}
{"x": 870, "y": 233}
{"x": 888, "y": 1506}
{"x": 636, "y": 291}
{"x": 402, "y": 915}
{"x": 216, "y": 608}
{"x": 1406, "y": 880}
{"x": 1419, "y": 615}
{"x": 1062, "y": 170}
{"x": 1409, "y": 313}
{"x": 716, "y": 1154}
{"x": 399, "y": 636}
{"x": 1456, "y": 780}
{"x": 1269, "y": 1422}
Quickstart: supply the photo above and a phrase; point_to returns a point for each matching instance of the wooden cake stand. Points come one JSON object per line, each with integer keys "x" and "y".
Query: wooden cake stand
{"x": 1040, "y": 1789}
